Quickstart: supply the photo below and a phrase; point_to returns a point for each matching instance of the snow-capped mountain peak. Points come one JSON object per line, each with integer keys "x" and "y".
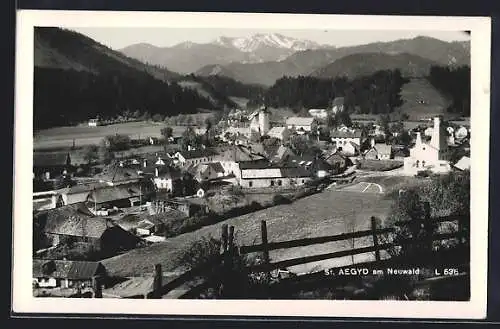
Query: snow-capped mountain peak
{"x": 259, "y": 40}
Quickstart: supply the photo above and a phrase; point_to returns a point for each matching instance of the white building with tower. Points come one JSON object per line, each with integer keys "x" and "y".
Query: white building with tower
{"x": 259, "y": 121}
{"x": 433, "y": 156}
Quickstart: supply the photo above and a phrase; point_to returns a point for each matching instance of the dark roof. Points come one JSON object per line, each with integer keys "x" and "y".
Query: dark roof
{"x": 51, "y": 159}
{"x": 342, "y": 134}
{"x": 295, "y": 172}
{"x": 258, "y": 164}
{"x": 401, "y": 153}
{"x": 65, "y": 269}
{"x": 216, "y": 166}
{"x": 70, "y": 220}
{"x": 241, "y": 153}
{"x": 115, "y": 173}
{"x": 112, "y": 193}
{"x": 197, "y": 153}
{"x": 163, "y": 171}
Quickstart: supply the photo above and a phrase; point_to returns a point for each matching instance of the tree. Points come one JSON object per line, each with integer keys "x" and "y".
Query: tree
{"x": 157, "y": 117}
{"x": 383, "y": 122}
{"x": 190, "y": 138}
{"x": 91, "y": 153}
{"x": 117, "y": 142}
{"x": 166, "y": 132}
{"x": 300, "y": 144}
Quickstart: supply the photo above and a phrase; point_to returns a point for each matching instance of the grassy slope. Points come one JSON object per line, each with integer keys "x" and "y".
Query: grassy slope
{"x": 326, "y": 213}
{"x": 421, "y": 90}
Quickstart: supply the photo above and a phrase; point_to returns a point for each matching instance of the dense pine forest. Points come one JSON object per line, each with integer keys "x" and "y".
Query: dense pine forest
{"x": 376, "y": 93}
{"x": 231, "y": 87}
{"x": 66, "y": 97}
{"x": 454, "y": 83}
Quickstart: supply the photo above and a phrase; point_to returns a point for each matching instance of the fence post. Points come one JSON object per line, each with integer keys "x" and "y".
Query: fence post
{"x": 97, "y": 287}
{"x": 224, "y": 237}
{"x": 263, "y": 229}
{"x": 375, "y": 237}
{"x": 157, "y": 282}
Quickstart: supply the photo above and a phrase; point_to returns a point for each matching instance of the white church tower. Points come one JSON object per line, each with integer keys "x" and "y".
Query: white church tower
{"x": 260, "y": 121}
{"x": 431, "y": 156}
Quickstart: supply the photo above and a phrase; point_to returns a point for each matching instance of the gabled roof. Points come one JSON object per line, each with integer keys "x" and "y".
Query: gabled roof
{"x": 463, "y": 163}
{"x": 113, "y": 193}
{"x": 381, "y": 148}
{"x": 115, "y": 173}
{"x": 276, "y": 131}
{"x": 51, "y": 159}
{"x": 299, "y": 121}
{"x": 239, "y": 153}
{"x": 75, "y": 220}
{"x": 216, "y": 166}
{"x": 65, "y": 269}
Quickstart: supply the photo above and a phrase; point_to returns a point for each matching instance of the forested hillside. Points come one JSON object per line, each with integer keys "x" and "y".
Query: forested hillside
{"x": 454, "y": 83}
{"x": 76, "y": 78}
{"x": 376, "y": 93}
{"x": 231, "y": 87}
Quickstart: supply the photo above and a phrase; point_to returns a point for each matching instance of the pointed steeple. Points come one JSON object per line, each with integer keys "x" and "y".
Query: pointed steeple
{"x": 438, "y": 139}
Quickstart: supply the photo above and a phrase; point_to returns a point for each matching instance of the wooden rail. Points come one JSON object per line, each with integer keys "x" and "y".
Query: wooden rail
{"x": 224, "y": 260}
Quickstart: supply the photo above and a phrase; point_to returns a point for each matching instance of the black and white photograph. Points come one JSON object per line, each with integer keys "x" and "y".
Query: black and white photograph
{"x": 258, "y": 164}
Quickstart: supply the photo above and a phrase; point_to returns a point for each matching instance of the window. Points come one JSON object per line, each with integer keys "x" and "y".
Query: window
{"x": 302, "y": 181}
{"x": 423, "y": 163}
{"x": 272, "y": 183}
{"x": 279, "y": 182}
{"x": 250, "y": 183}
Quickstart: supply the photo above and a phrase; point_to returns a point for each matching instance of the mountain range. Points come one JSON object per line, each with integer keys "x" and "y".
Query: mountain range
{"x": 188, "y": 57}
{"x": 264, "y": 58}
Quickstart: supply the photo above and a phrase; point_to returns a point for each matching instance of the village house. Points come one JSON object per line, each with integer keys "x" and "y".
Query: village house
{"x": 163, "y": 177}
{"x": 233, "y": 156}
{"x": 121, "y": 196}
{"x": 50, "y": 165}
{"x": 378, "y": 151}
{"x": 260, "y": 175}
{"x": 50, "y": 273}
{"x": 207, "y": 171}
{"x": 75, "y": 223}
{"x": 116, "y": 174}
{"x": 300, "y": 124}
{"x": 281, "y": 133}
{"x": 461, "y": 133}
{"x": 433, "y": 156}
{"x": 343, "y": 138}
{"x": 193, "y": 157}
{"x": 278, "y": 153}
{"x": 94, "y": 122}
{"x": 338, "y": 161}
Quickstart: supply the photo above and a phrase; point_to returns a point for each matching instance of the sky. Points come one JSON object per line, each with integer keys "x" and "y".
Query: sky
{"x": 117, "y": 38}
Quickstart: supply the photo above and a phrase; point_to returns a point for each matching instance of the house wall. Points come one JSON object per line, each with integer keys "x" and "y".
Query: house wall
{"x": 46, "y": 282}
{"x": 163, "y": 183}
{"x": 231, "y": 167}
{"x": 299, "y": 127}
{"x": 342, "y": 141}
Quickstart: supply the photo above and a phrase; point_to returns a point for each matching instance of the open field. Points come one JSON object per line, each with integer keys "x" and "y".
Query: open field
{"x": 85, "y": 135}
{"x": 327, "y": 213}
{"x": 421, "y": 99}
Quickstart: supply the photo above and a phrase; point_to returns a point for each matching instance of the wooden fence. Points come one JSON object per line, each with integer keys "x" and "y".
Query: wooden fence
{"x": 230, "y": 249}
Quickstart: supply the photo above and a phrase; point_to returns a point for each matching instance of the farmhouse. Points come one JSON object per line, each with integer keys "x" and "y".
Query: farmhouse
{"x": 338, "y": 161}
{"x": 232, "y": 157}
{"x": 207, "y": 171}
{"x": 163, "y": 176}
{"x": 281, "y": 133}
{"x": 342, "y": 138}
{"x": 115, "y": 174}
{"x": 50, "y": 165}
{"x": 186, "y": 158}
{"x": 258, "y": 175}
{"x": 94, "y": 122}
{"x": 378, "y": 151}
{"x": 433, "y": 156}
{"x": 122, "y": 196}
{"x": 66, "y": 273}
{"x": 75, "y": 223}
{"x": 300, "y": 124}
